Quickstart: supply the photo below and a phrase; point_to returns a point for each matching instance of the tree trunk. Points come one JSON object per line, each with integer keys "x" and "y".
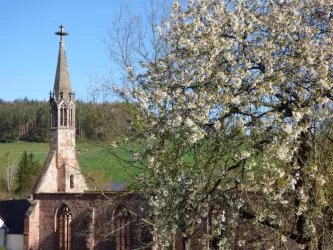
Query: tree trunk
{"x": 188, "y": 239}
{"x": 303, "y": 158}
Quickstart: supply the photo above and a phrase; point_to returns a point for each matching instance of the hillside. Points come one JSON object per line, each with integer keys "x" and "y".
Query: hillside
{"x": 28, "y": 120}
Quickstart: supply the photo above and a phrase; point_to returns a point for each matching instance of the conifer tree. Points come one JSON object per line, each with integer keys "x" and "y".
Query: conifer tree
{"x": 26, "y": 171}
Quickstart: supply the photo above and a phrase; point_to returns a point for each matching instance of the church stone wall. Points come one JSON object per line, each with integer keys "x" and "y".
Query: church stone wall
{"x": 31, "y": 227}
{"x": 48, "y": 212}
{"x": 92, "y": 223}
{"x": 47, "y": 181}
{"x": 60, "y": 164}
{"x": 67, "y": 163}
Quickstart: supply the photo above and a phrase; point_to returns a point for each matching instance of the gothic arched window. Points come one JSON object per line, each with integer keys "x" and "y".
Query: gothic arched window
{"x": 64, "y": 218}
{"x": 122, "y": 228}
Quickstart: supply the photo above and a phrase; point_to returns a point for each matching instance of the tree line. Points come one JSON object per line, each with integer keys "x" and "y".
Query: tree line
{"x": 28, "y": 120}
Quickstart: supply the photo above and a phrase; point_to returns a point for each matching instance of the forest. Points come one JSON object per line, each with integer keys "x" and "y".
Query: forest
{"x": 28, "y": 120}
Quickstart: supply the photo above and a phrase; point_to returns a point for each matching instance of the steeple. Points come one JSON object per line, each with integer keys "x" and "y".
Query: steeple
{"x": 61, "y": 171}
{"x": 62, "y": 83}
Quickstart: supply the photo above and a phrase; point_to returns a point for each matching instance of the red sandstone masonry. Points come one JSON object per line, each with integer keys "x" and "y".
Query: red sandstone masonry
{"x": 31, "y": 227}
{"x": 54, "y": 178}
{"x": 92, "y": 218}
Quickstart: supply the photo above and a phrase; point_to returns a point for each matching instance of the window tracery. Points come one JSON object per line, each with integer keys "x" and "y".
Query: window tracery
{"x": 122, "y": 226}
{"x": 63, "y": 115}
{"x": 64, "y": 218}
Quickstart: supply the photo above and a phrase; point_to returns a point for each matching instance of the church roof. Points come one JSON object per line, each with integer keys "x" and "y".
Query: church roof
{"x": 13, "y": 211}
{"x": 62, "y": 82}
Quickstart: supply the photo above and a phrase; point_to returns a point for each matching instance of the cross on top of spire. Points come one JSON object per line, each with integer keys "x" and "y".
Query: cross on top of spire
{"x": 62, "y": 33}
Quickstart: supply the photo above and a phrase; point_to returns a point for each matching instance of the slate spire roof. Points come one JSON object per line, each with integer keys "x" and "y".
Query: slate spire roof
{"x": 62, "y": 82}
{"x": 13, "y": 211}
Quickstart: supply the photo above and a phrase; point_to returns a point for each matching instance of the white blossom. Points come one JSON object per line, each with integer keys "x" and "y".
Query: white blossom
{"x": 233, "y": 102}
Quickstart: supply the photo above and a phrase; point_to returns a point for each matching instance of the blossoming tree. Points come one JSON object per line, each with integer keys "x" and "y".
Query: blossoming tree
{"x": 231, "y": 114}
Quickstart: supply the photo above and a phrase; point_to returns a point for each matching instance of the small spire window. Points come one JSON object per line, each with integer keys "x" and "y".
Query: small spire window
{"x": 71, "y": 123}
{"x": 71, "y": 181}
{"x": 63, "y": 115}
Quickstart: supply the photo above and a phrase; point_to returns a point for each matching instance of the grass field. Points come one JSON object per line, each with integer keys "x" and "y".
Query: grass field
{"x": 90, "y": 156}
{"x": 40, "y": 150}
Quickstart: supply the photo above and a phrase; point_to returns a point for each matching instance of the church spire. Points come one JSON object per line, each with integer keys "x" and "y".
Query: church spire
{"x": 62, "y": 82}
{"x": 61, "y": 171}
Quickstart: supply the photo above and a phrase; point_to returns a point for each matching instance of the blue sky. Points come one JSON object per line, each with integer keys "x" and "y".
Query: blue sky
{"x": 29, "y": 48}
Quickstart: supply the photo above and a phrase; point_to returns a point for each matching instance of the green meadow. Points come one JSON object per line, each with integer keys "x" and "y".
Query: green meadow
{"x": 91, "y": 157}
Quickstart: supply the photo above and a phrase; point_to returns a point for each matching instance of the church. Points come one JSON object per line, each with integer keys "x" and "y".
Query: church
{"x": 62, "y": 213}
